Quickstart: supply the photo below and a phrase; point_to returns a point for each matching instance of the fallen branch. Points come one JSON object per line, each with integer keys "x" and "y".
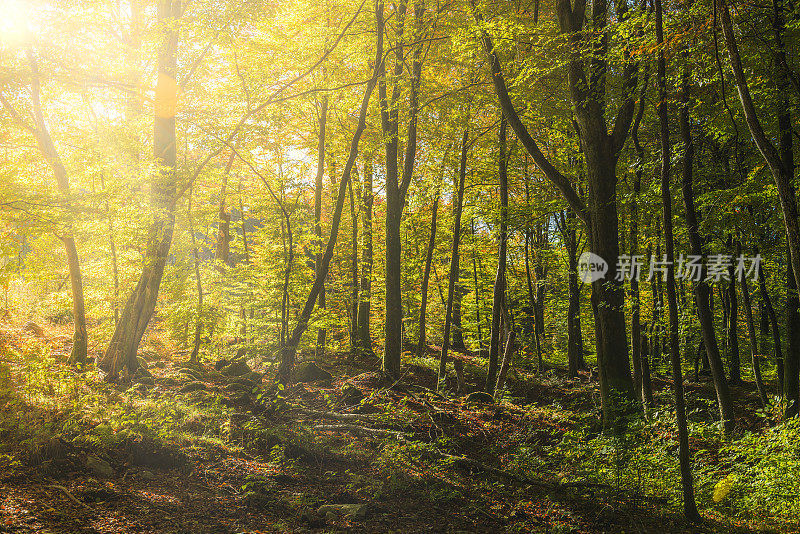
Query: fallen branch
{"x": 362, "y": 431}
{"x": 336, "y": 415}
{"x": 69, "y": 495}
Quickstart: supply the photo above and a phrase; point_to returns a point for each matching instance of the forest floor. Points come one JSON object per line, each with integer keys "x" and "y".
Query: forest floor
{"x": 211, "y": 448}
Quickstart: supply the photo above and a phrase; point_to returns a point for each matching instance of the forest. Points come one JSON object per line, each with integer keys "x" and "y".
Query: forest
{"x": 411, "y": 266}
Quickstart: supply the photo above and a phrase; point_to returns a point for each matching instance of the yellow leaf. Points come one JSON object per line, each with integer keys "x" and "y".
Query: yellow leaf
{"x": 723, "y": 487}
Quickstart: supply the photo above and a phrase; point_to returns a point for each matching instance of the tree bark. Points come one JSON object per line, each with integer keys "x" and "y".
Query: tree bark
{"x": 601, "y": 150}
{"x": 734, "y": 364}
{"x": 289, "y": 352}
{"x": 781, "y": 173}
{"x": 791, "y": 370}
{"x": 755, "y": 358}
{"x": 508, "y": 355}
{"x": 396, "y": 189}
{"x": 687, "y": 483}
{"x": 323, "y": 119}
{"x": 451, "y": 284}
{"x": 44, "y": 141}
{"x": 426, "y": 276}
{"x": 702, "y": 291}
{"x": 498, "y": 294}
{"x": 140, "y": 306}
{"x": 198, "y": 325}
{"x": 365, "y": 290}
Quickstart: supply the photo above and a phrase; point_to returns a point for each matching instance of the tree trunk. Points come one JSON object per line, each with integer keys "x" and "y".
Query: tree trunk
{"x": 566, "y": 223}
{"x": 323, "y": 119}
{"x": 451, "y": 284}
{"x": 508, "y": 355}
{"x": 396, "y": 189}
{"x": 636, "y": 322}
{"x": 734, "y": 366}
{"x": 426, "y": 276}
{"x": 80, "y": 341}
{"x": 289, "y": 352}
{"x": 224, "y": 220}
{"x": 601, "y": 150}
{"x": 365, "y": 291}
{"x": 498, "y": 294}
{"x": 791, "y": 370}
{"x": 755, "y": 359}
{"x": 476, "y": 286}
{"x": 140, "y": 306}
{"x": 353, "y": 273}
{"x": 781, "y": 173}
{"x": 689, "y": 504}
{"x": 702, "y": 291}
{"x": 198, "y": 325}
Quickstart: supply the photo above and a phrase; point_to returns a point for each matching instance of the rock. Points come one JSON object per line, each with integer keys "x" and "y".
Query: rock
{"x": 33, "y": 328}
{"x": 351, "y": 394}
{"x": 480, "y": 397}
{"x": 309, "y": 372}
{"x": 99, "y": 467}
{"x": 221, "y": 363}
{"x": 147, "y": 475}
{"x": 237, "y": 368}
{"x": 193, "y": 386}
{"x": 354, "y": 511}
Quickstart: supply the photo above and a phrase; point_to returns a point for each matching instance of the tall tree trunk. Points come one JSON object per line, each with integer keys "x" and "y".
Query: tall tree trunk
{"x": 601, "y": 150}
{"x": 223, "y": 251}
{"x": 289, "y": 352}
{"x": 78, "y": 354}
{"x": 353, "y": 273}
{"x": 702, "y": 292}
{"x": 689, "y": 505}
{"x": 734, "y": 364}
{"x": 636, "y": 322}
{"x": 323, "y": 120}
{"x": 396, "y": 189}
{"x": 791, "y": 370}
{"x": 426, "y": 276}
{"x": 498, "y": 295}
{"x": 781, "y": 173}
{"x": 365, "y": 291}
{"x": 451, "y": 284}
{"x": 140, "y": 306}
{"x": 508, "y": 355}
{"x": 575, "y": 360}
{"x": 755, "y": 359}
{"x": 198, "y": 325}
{"x": 476, "y": 285}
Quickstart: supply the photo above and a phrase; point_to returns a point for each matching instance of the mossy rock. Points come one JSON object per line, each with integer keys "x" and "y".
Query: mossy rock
{"x": 351, "y": 394}
{"x": 309, "y": 372}
{"x": 480, "y": 397}
{"x": 237, "y": 368}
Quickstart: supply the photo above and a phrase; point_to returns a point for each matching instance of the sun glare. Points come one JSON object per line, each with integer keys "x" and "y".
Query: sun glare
{"x": 13, "y": 21}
